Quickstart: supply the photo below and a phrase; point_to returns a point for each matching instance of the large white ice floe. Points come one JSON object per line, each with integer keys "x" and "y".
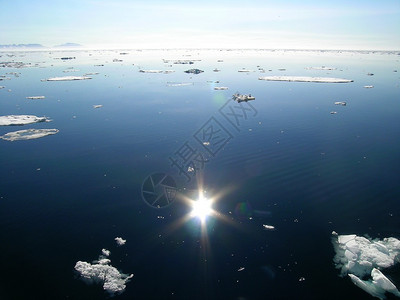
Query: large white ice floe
{"x": 306, "y": 79}
{"x": 68, "y": 78}
{"x": 21, "y": 120}
{"x": 100, "y": 271}
{"x": 362, "y": 259}
{"x": 28, "y": 134}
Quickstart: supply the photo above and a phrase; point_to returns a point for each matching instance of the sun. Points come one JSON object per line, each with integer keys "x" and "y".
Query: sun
{"x": 201, "y": 208}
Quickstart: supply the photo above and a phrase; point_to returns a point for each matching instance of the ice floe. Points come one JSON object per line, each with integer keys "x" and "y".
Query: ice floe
{"x": 323, "y": 68}
{"x": 151, "y": 71}
{"x": 97, "y": 106}
{"x": 306, "y": 79}
{"x": 68, "y": 78}
{"x": 362, "y": 259}
{"x": 268, "y": 227}
{"x": 2, "y": 87}
{"x": 28, "y": 134}
{"x": 120, "y": 241}
{"x": 194, "y": 71}
{"x": 368, "y": 86}
{"x": 100, "y": 271}
{"x": 179, "y": 83}
{"x": 21, "y": 120}
{"x": 220, "y": 88}
{"x": 341, "y": 103}
{"x": 35, "y": 97}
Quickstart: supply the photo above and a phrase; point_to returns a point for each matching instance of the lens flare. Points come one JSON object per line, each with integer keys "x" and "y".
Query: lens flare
{"x": 201, "y": 209}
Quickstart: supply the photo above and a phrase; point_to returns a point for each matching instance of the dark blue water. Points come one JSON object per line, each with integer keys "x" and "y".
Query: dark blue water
{"x": 287, "y": 163}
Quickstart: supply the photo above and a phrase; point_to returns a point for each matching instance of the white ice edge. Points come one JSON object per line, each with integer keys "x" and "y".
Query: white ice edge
{"x": 28, "y": 134}
{"x": 305, "y": 79}
{"x": 362, "y": 259}
{"x": 21, "y": 120}
{"x": 68, "y": 78}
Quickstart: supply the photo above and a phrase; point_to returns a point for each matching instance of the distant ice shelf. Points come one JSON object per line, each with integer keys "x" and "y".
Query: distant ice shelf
{"x": 28, "y": 134}
{"x": 306, "y": 79}
{"x": 21, "y": 120}
{"x": 68, "y": 78}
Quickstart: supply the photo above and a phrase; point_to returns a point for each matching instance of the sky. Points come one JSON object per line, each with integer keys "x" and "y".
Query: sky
{"x": 307, "y": 24}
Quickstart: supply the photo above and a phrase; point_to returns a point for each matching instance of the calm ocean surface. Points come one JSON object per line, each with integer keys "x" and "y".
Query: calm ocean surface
{"x": 286, "y": 161}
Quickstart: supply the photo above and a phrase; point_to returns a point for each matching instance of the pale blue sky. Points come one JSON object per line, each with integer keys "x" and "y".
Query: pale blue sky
{"x": 338, "y": 24}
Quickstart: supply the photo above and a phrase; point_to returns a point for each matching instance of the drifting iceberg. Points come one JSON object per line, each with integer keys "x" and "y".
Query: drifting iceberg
{"x": 28, "y": 134}
{"x": 360, "y": 258}
{"x": 114, "y": 282}
{"x": 305, "y": 79}
{"x": 68, "y": 78}
{"x": 21, "y": 120}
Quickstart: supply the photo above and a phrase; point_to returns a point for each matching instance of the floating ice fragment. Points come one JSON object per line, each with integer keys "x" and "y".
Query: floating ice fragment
{"x": 240, "y": 269}
{"x": 268, "y": 227}
{"x": 179, "y": 83}
{"x": 340, "y": 103}
{"x": 360, "y": 257}
{"x": 220, "y": 88}
{"x": 323, "y": 68}
{"x": 68, "y": 78}
{"x": 333, "y": 112}
{"x": 21, "y": 120}
{"x": 97, "y": 106}
{"x": 368, "y": 86}
{"x": 28, "y": 134}
{"x": 2, "y": 87}
{"x": 35, "y": 97}
{"x": 305, "y": 79}
{"x": 194, "y": 71}
{"x": 151, "y": 71}
{"x": 114, "y": 282}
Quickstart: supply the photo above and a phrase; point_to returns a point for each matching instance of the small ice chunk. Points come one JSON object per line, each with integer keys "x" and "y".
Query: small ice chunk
{"x": 151, "y": 71}
{"x": 333, "y": 112}
{"x": 105, "y": 252}
{"x": 35, "y": 97}
{"x": 341, "y": 103}
{"x": 194, "y": 71}
{"x": 179, "y": 83}
{"x": 323, "y": 68}
{"x": 268, "y": 227}
{"x": 241, "y": 269}
{"x": 120, "y": 241}
{"x": 28, "y": 134}
{"x": 68, "y": 78}
{"x": 2, "y": 87}
{"x": 220, "y": 88}
{"x": 97, "y": 106}
{"x": 368, "y": 86}
{"x": 21, "y": 120}
{"x": 305, "y": 79}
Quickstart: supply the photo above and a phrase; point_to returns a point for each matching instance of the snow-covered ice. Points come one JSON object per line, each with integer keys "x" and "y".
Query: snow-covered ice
{"x": 306, "y": 79}
{"x": 268, "y": 227}
{"x": 97, "y": 106}
{"x": 362, "y": 259}
{"x": 28, "y": 134}
{"x": 21, "y": 120}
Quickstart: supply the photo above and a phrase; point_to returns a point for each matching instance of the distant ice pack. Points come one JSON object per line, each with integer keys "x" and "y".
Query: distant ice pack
{"x": 306, "y": 79}
{"x": 362, "y": 259}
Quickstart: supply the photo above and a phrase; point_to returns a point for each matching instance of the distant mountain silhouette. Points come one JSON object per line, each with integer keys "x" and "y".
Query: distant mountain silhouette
{"x": 68, "y": 45}
{"x": 22, "y": 46}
